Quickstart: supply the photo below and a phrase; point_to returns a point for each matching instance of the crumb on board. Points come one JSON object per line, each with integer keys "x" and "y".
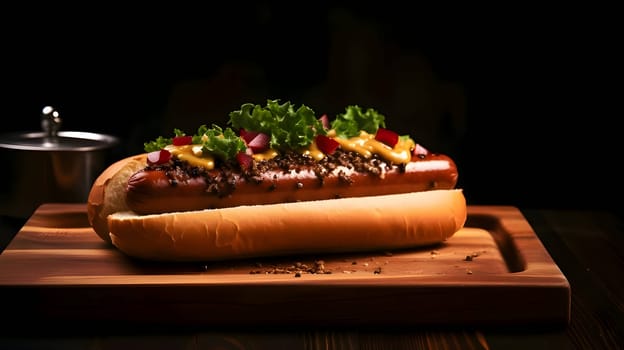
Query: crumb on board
{"x": 307, "y": 266}
{"x": 298, "y": 268}
{"x": 473, "y": 255}
{"x": 317, "y": 267}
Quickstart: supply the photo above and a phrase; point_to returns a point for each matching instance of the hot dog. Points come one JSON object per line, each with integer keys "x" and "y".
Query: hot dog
{"x": 238, "y": 192}
{"x": 156, "y": 190}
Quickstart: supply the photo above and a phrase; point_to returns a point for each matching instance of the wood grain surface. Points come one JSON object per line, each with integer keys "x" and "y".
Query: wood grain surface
{"x": 494, "y": 271}
{"x": 587, "y": 245}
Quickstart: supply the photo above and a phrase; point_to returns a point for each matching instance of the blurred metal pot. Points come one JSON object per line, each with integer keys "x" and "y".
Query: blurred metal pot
{"x": 50, "y": 166}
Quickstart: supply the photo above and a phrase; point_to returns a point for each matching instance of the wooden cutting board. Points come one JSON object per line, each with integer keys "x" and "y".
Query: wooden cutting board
{"x": 495, "y": 271}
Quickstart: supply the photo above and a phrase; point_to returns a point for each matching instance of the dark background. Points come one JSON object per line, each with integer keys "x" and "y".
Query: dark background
{"x": 522, "y": 98}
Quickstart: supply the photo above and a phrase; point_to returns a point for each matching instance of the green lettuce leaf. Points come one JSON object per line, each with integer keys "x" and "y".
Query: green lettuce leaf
{"x": 288, "y": 127}
{"x": 350, "y": 123}
{"x": 222, "y": 143}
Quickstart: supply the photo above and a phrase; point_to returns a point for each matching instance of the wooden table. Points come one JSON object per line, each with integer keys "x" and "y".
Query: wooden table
{"x": 585, "y": 245}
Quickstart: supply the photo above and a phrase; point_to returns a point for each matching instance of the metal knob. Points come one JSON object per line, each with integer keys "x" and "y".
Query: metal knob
{"x": 50, "y": 122}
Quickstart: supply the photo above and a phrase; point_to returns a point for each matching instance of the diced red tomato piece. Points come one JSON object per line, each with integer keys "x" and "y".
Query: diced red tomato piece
{"x": 386, "y": 136}
{"x": 420, "y": 151}
{"x": 326, "y": 144}
{"x": 259, "y": 143}
{"x": 182, "y": 140}
{"x": 158, "y": 157}
{"x": 247, "y": 135}
{"x": 244, "y": 160}
{"x": 325, "y": 121}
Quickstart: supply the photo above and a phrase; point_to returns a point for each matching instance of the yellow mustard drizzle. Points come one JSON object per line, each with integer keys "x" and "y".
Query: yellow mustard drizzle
{"x": 313, "y": 152}
{"x": 364, "y": 144}
{"x": 193, "y": 155}
{"x": 266, "y": 155}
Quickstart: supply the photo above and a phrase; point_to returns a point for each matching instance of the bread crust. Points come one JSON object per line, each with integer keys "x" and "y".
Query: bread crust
{"x": 107, "y": 193}
{"x": 324, "y": 226}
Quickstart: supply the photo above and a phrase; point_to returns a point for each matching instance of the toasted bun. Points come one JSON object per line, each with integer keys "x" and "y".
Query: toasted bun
{"x": 107, "y": 193}
{"x": 324, "y": 226}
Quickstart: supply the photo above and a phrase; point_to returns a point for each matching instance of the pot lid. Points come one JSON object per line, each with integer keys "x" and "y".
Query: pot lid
{"x": 51, "y": 139}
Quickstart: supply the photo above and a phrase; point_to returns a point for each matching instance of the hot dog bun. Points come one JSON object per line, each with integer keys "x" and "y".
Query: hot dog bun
{"x": 107, "y": 193}
{"x": 323, "y": 226}
{"x": 333, "y": 225}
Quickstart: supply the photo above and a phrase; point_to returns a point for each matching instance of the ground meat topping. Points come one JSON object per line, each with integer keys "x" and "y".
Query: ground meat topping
{"x": 223, "y": 178}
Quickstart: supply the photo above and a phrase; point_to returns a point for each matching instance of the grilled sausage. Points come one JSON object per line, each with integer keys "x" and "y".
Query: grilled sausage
{"x": 179, "y": 187}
